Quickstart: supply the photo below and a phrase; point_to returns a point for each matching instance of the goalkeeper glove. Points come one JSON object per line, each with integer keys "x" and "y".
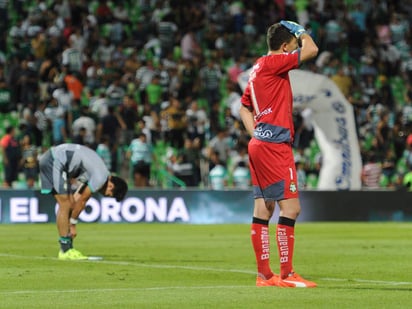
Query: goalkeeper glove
{"x": 294, "y": 28}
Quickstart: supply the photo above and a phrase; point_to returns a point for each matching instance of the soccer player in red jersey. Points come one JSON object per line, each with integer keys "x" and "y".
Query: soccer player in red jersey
{"x": 266, "y": 112}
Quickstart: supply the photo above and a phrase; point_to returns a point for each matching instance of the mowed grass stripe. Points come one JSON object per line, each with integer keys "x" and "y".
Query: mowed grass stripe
{"x": 158, "y": 288}
{"x": 356, "y": 265}
{"x": 191, "y": 268}
{"x": 126, "y": 263}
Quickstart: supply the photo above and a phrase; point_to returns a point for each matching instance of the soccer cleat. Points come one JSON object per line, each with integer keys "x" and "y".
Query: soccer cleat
{"x": 296, "y": 281}
{"x": 274, "y": 281}
{"x": 71, "y": 254}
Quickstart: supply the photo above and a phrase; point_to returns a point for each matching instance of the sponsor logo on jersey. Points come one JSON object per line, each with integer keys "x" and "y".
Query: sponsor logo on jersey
{"x": 292, "y": 187}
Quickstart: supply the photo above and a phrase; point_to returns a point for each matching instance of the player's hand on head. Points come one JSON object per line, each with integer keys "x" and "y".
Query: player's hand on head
{"x": 294, "y": 28}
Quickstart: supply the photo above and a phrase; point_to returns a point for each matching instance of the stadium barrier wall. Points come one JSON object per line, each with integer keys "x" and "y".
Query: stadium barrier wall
{"x": 208, "y": 207}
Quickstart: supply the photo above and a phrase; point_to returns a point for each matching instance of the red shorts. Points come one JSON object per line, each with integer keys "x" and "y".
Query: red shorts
{"x": 273, "y": 170}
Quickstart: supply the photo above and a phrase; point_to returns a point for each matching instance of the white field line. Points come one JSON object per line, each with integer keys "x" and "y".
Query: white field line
{"x": 194, "y": 268}
{"x": 105, "y": 290}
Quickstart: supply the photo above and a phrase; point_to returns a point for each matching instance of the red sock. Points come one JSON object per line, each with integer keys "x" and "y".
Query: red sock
{"x": 285, "y": 236}
{"x": 261, "y": 246}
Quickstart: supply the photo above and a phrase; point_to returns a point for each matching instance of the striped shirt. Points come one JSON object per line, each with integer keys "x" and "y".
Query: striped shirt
{"x": 371, "y": 174}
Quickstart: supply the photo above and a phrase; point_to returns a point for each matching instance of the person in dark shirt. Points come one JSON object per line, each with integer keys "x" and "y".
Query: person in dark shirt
{"x": 11, "y": 153}
{"x": 129, "y": 115}
{"x": 110, "y": 125}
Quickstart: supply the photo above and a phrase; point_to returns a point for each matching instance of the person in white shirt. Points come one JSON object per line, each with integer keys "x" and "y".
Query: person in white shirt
{"x": 197, "y": 121}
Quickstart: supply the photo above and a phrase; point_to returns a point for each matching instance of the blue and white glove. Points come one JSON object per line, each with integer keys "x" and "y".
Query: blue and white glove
{"x": 294, "y": 28}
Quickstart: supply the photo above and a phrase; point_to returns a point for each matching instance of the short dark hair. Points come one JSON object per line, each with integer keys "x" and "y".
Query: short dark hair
{"x": 120, "y": 188}
{"x": 277, "y": 35}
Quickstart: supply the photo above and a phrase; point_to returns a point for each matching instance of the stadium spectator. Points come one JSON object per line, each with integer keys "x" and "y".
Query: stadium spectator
{"x": 343, "y": 80}
{"x": 103, "y": 12}
{"x": 408, "y": 151}
{"x": 5, "y": 96}
{"x": 79, "y": 137}
{"x": 355, "y": 39}
{"x": 399, "y": 132}
{"x": 72, "y": 58}
{"x": 151, "y": 121}
{"x": 4, "y": 19}
{"x": 115, "y": 92}
{"x": 104, "y": 52}
{"x": 144, "y": 76}
{"x": 234, "y": 70}
{"x": 75, "y": 86}
{"x": 27, "y": 85}
{"x": 210, "y": 76}
{"x": 88, "y": 123}
{"x": 94, "y": 76}
{"x": 233, "y": 99}
{"x": 190, "y": 46}
{"x": 218, "y": 176}
{"x": 56, "y": 115}
{"x": 190, "y": 161}
{"x": 99, "y": 105}
{"x": 389, "y": 164}
{"x": 63, "y": 96}
{"x": 167, "y": 30}
{"x": 196, "y": 122}
{"x": 41, "y": 124}
{"x": 121, "y": 13}
{"x": 371, "y": 172}
{"x": 111, "y": 126}
{"x": 103, "y": 150}
{"x": 140, "y": 153}
{"x": 333, "y": 35}
{"x": 129, "y": 115}
{"x": 154, "y": 93}
{"x": 220, "y": 144}
{"x": 384, "y": 133}
{"x": 39, "y": 46}
{"x": 188, "y": 76}
{"x": 11, "y": 153}
{"x": 249, "y": 29}
{"x": 175, "y": 120}
{"x": 29, "y": 161}
{"x": 241, "y": 176}
{"x": 222, "y": 45}
{"x": 78, "y": 40}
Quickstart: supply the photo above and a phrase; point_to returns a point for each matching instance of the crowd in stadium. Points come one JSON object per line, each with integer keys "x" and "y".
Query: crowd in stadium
{"x": 151, "y": 85}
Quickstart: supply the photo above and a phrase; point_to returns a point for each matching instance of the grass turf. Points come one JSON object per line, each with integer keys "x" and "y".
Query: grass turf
{"x": 356, "y": 265}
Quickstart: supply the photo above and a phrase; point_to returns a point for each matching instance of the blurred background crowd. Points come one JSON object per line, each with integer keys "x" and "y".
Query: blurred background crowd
{"x": 151, "y": 85}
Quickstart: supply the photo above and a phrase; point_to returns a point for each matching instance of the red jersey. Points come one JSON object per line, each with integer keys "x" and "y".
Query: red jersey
{"x": 8, "y": 141}
{"x": 269, "y": 94}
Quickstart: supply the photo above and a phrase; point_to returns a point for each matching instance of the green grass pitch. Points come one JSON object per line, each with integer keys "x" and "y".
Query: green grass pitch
{"x": 356, "y": 265}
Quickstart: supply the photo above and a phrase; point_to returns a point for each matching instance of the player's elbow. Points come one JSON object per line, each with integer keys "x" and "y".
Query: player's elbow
{"x": 313, "y": 51}
{"x": 309, "y": 54}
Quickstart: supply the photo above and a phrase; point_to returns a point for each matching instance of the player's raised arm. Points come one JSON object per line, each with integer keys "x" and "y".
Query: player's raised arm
{"x": 309, "y": 48}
